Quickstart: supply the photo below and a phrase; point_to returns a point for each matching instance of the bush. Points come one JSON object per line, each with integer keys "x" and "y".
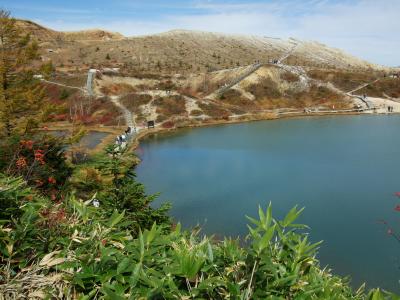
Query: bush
{"x": 196, "y": 112}
{"x": 214, "y": 111}
{"x": 133, "y": 102}
{"x": 64, "y": 94}
{"x": 168, "y": 124}
{"x": 113, "y": 245}
{"x": 290, "y": 77}
{"x": 170, "y": 106}
{"x": 98, "y": 255}
{"x": 35, "y": 225}
{"x": 268, "y": 88}
{"x": 40, "y": 160}
{"x": 11, "y": 197}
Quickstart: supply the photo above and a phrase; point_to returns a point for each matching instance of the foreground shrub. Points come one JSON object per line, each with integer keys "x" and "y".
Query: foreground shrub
{"x": 113, "y": 245}
{"x": 99, "y": 256}
{"x": 39, "y": 159}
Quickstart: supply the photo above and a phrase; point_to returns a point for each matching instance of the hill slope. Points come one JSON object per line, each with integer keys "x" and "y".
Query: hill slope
{"x": 188, "y": 77}
{"x": 182, "y": 50}
{"x": 43, "y": 34}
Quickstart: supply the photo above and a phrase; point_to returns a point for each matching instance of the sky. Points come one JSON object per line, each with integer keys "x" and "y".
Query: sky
{"x": 368, "y": 29}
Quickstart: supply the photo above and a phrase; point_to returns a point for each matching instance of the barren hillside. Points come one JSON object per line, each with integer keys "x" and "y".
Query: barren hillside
{"x": 182, "y": 51}
{"x": 184, "y": 77}
{"x": 46, "y": 36}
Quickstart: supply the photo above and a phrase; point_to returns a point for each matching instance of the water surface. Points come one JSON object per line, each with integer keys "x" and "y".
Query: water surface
{"x": 343, "y": 170}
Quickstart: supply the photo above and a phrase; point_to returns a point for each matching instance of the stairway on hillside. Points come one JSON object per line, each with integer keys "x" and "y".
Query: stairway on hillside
{"x": 286, "y": 55}
{"x": 238, "y": 79}
{"x": 363, "y": 86}
{"x": 364, "y": 100}
{"x": 89, "y": 82}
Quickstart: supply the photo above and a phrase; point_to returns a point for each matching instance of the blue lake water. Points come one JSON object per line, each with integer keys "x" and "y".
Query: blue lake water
{"x": 343, "y": 170}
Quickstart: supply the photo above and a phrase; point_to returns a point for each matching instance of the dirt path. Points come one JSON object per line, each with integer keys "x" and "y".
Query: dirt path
{"x": 125, "y": 112}
{"x": 64, "y": 85}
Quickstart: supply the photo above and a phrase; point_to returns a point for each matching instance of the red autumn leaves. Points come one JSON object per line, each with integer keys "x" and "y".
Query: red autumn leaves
{"x": 39, "y": 156}
{"x": 31, "y": 162}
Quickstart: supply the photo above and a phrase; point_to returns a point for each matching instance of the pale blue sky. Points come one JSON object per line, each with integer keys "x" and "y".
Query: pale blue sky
{"x": 365, "y": 28}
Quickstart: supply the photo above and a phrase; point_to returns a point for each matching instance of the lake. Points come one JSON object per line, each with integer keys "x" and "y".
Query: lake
{"x": 343, "y": 170}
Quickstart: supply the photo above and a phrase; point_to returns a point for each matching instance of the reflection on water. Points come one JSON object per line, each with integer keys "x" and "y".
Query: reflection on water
{"x": 343, "y": 170}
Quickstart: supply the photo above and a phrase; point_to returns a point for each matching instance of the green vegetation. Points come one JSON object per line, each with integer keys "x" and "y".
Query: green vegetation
{"x": 64, "y": 94}
{"x": 88, "y": 231}
{"x": 21, "y": 97}
{"x": 125, "y": 249}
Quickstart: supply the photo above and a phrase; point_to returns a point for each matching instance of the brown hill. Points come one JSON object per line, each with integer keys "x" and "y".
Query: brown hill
{"x": 183, "y": 77}
{"x": 183, "y": 51}
{"x": 43, "y": 34}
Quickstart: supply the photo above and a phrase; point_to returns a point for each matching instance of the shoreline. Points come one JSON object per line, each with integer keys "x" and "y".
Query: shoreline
{"x": 143, "y": 134}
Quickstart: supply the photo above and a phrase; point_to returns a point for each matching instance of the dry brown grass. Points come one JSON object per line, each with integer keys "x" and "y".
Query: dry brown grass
{"x": 36, "y": 283}
{"x": 166, "y": 85}
{"x": 289, "y": 77}
{"x": 105, "y": 112}
{"x": 388, "y": 86}
{"x": 78, "y": 80}
{"x": 234, "y": 97}
{"x": 214, "y": 111}
{"x": 134, "y": 101}
{"x": 196, "y": 112}
{"x": 318, "y": 96}
{"x": 55, "y": 93}
{"x": 169, "y": 106}
{"x": 267, "y": 88}
{"x": 345, "y": 80}
{"x": 117, "y": 89}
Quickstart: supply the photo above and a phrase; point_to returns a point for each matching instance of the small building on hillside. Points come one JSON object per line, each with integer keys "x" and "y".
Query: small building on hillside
{"x": 150, "y": 124}
{"x": 110, "y": 71}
